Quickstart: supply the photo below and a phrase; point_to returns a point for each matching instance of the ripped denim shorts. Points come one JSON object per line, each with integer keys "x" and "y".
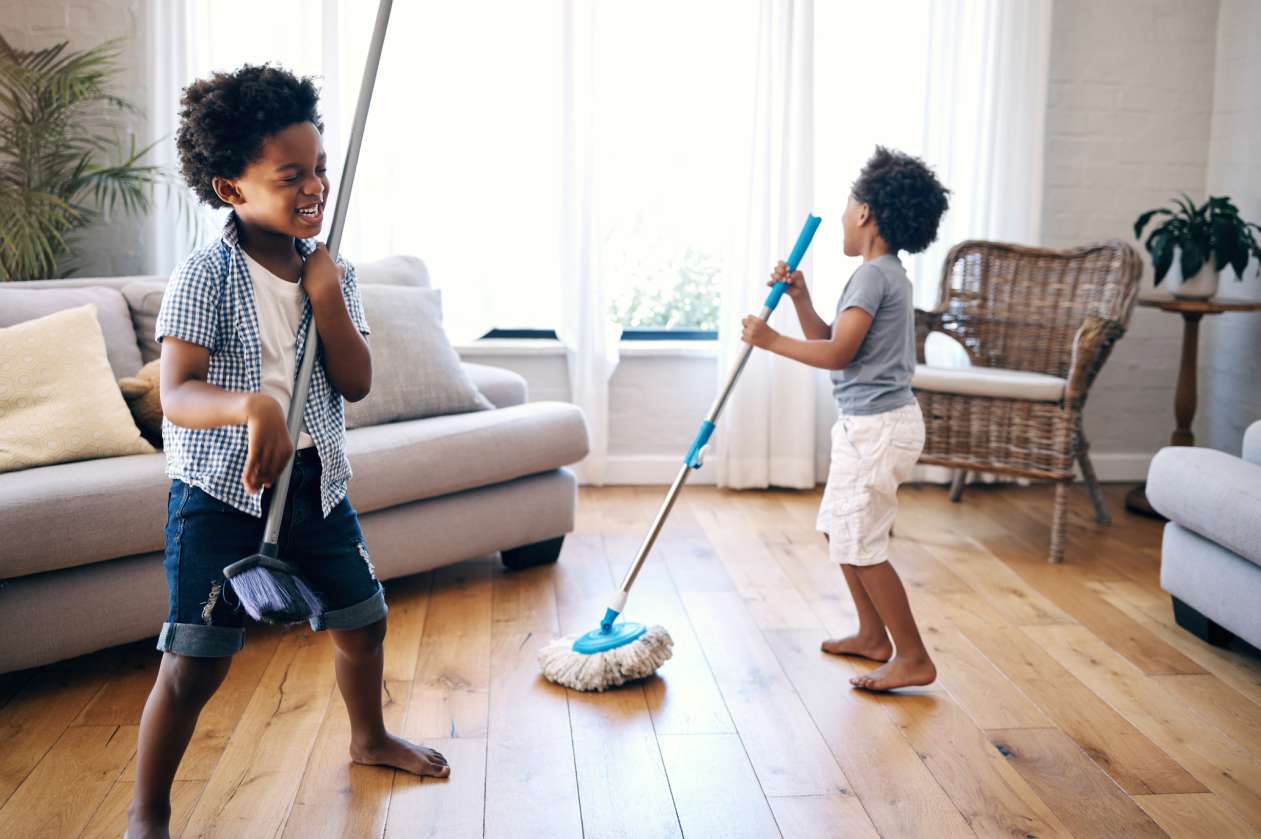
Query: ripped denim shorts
{"x": 204, "y": 534}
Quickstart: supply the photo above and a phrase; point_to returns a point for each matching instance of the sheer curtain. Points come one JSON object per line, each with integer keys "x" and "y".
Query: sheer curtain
{"x": 766, "y": 434}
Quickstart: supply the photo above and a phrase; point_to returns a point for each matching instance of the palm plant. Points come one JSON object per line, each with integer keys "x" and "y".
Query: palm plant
{"x": 58, "y": 135}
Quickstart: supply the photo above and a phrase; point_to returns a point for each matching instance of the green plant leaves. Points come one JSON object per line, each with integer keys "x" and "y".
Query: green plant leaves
{"x": 1212, "y": 232}
{"x": 61, "y": 161}
{"x": 1192, "y": 260}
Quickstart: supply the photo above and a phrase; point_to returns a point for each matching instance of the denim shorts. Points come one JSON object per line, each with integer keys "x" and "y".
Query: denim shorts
{"x": 204, "y": 535}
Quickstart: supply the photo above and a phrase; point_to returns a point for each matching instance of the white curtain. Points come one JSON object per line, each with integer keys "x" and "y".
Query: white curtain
{"x": 766, "y": 434}
{"x": 590, "y": 338}
{"x": 984, "y": 118}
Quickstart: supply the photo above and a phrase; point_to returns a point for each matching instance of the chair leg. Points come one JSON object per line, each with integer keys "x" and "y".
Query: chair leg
{"x": 957, "y": 482}
{"x": 1092, "y": 485}
{"x": 1059, "y": 522}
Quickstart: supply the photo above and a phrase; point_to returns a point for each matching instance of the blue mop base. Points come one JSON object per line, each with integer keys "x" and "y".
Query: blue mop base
{"x": 602, "y": 640}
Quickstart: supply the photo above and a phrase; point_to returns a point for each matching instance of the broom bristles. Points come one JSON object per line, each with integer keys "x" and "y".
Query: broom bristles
{"x": 275, "y": 596}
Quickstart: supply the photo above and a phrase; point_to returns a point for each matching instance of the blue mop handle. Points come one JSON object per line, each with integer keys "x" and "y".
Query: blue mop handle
{"x": 794, "y": 259}
{"x": 693, "y": 457}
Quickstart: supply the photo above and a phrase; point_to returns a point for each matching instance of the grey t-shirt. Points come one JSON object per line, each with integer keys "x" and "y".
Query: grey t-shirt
{"x": 879, "y": 377}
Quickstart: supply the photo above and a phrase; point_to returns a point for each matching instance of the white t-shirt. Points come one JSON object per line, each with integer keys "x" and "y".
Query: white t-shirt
{"x": 279, "y": 304}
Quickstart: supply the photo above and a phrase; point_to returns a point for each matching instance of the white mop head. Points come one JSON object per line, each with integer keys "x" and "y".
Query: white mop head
{"x": 601, "y": 671}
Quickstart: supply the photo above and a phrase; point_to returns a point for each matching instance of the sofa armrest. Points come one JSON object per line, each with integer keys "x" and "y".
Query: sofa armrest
{"x": 1252, "y": 443}
{"x": 1210, "y": 492}
{"x": 503, "y": 388}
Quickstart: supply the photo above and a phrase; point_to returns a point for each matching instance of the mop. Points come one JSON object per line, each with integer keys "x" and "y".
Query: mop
{"x": 268, "y": 587}
{"x": 616, "y": 653}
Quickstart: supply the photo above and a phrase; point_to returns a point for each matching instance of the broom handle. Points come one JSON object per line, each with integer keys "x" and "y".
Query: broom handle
{"x": 695, "y": 456}
{"x": 271, "y": 535}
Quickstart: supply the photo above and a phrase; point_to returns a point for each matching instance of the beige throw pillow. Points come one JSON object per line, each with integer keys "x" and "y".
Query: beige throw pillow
{"x": 59, "y": 400}
{"x": 416, "y": 373}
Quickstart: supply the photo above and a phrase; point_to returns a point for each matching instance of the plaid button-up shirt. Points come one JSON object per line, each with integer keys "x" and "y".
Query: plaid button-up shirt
{"x": 209, "y": 301}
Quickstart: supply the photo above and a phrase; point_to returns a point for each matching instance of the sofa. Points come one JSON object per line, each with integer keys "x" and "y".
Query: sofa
{"x": 1211, "y": 551}
{"x": 81, "y": 542}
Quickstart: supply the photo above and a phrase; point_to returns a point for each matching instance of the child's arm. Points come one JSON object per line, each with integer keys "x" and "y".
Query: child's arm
{"x": 832, "y": 353}
{"x": 347, "y": 359}
{"x": 812, "y": 326}
{"x": 189, "y": 400}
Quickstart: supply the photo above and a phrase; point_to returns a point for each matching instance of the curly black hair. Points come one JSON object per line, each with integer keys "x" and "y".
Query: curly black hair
{"x": 905, "y": 197}
{"x": 225, "y": 119}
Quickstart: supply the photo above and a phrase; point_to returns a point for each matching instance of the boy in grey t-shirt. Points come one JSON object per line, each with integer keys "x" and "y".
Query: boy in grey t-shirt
{"x": 895, "y": 205}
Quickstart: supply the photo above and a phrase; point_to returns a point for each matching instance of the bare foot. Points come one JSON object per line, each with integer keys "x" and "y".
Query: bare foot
{"x": 399, "y": 753}
{"x": 899, "y": 673}
{"x": 146, "y": 826}
{"x": 880, "y": 649}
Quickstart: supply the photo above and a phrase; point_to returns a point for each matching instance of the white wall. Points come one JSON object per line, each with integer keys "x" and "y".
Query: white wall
{"x": 1230, "y": 351}
{"x": 117, "y": 247}
{"x": 1127, "y": 128}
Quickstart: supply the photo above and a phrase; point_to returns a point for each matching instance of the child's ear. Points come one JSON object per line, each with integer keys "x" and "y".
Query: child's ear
{"x": 227, "y": 191}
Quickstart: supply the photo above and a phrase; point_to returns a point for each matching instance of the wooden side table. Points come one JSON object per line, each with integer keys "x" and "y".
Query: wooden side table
{"x": 1184, "y": 397}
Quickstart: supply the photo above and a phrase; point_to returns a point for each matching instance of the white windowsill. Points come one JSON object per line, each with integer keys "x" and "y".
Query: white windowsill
{"x": 628, "y": 349}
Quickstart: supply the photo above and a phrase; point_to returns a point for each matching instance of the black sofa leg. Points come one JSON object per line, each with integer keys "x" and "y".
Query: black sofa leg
{"x": 1199, "y": 625}
{"x": 527, "y": 556}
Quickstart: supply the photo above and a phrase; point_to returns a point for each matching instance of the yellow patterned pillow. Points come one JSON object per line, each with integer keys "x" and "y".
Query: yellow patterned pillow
{"x": 58, "y": 397}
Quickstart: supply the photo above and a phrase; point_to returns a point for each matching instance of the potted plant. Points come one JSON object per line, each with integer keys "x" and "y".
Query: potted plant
{"x": 62, "y": 166}
{"x": 1201, "y": 241}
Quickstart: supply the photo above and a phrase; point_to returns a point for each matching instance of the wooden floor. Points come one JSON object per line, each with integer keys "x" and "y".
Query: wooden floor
{"x": 1069, "y": 703}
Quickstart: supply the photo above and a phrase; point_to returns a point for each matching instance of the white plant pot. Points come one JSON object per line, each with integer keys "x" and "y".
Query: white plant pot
{"x": 1200, "y": 287}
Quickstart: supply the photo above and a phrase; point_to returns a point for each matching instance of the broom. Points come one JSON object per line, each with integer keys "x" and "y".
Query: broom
{"x": 616, "y": 653}
{"x": 268, "y": 588}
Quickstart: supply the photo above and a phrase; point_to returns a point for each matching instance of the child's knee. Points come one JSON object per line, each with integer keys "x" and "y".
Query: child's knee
{"x": 361, "y": 641}
{"x": 193, "y": 680}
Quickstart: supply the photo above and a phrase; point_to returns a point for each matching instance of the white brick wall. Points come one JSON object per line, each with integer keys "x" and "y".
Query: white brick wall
{"x": 115, "y": 247}
{"x": 1230, "y": 366}
{"x": 1129, "y": 106}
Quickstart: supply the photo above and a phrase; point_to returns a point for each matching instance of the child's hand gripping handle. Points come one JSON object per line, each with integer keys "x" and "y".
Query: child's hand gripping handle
{"x": 794, "y": 258}
{"x": 696, "y": 454}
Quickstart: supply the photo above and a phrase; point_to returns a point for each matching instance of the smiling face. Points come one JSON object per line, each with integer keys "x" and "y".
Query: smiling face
{"x": 283, "y": 190}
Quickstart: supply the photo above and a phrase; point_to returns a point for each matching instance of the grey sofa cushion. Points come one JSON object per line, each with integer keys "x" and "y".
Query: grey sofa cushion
{"x": 77, "y": 513}
{"x": 1210, "y": 492}
{"x": 393, "y": 270}
{"x": 409, "y": 461}
{"x": 1252, "y": 443}
{"x": 415, "y": 371}
{"x": 1212, "y": 580}
{"x": 503, "y": 388}
{"x": 144, "y": 298}
{"x": 21, "y": 304}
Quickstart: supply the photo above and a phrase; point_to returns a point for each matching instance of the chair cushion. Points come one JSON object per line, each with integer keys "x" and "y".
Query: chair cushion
{"x": 1210, "y": 492}
{"x": 22, "y": 304}
{"x": 410, "y": 461}
{"x": 993, "y": 382}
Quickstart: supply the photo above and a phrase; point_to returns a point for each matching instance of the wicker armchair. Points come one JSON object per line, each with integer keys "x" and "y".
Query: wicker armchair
{"x": 1037, "y": 326}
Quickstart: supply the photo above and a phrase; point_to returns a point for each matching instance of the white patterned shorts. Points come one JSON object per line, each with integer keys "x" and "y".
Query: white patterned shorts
{"x": 871, "y": 455}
